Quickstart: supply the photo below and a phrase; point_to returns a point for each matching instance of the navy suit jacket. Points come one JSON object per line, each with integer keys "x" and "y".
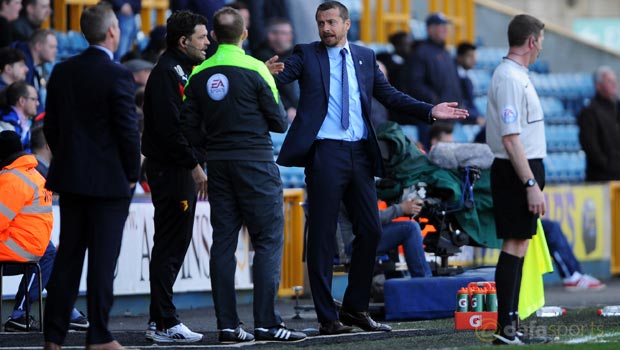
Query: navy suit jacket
{"x": 309, "y": 64}
{"x": 91, "y": 127}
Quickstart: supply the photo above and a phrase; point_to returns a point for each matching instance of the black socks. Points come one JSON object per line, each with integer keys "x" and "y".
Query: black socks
{"x": 508, "y": 283}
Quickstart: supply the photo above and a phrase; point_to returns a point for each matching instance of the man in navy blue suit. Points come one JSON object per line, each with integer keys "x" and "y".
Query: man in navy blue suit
{"x": 332, "y": 137}
{"x": 91, "y": 127}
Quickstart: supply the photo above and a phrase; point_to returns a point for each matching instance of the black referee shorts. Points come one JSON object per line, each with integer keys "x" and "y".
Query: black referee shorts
{"x": 512, "y": 216}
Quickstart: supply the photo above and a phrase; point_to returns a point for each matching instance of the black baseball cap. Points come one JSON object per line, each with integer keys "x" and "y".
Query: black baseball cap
{"x": 10, "y": 143}
{"x": 436, "y": 18}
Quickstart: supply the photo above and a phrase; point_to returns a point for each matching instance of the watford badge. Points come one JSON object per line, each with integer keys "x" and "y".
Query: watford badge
{"x": 184, "y": 205}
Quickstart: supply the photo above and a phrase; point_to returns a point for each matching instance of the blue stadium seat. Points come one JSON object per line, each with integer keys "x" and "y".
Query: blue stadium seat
{"x": 489, "y": 57}
{"x": 554, "y": 111}
{"x": 481, "y": 104}
{"x": 277, "y": 140}
{"x": 292, "y": 177}
{"x": 411, "y": 131}
{"x": 480, "y": 78}
{"x": 565, "y": 167}
{"x": 77, "y": 41}
{"x": 562, "y": 138}
{"x": 63, "y": 46}
{"x": 465, "y": 132}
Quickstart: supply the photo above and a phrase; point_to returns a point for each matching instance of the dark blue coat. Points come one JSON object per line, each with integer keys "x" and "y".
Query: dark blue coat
{"x": 309, "y": 64}
{"x": 430, "y": 75}
{"x": 91, "y": 127}
{"x": 136, "y": 5}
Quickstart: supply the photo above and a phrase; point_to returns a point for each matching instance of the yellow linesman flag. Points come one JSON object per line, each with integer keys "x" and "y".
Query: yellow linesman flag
{"x": 537, "y": 262}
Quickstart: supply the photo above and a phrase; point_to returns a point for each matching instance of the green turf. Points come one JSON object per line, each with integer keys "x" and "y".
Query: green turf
{"x": 578, "y": 329}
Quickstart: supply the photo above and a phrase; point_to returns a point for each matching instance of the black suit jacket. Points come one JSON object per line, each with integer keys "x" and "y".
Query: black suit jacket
{"x": 309, "y": 64}
{"x": 91, "y": 127}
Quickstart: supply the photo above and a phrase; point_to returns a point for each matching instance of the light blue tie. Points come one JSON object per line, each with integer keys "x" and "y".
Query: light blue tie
{"x": 345, "y": 91}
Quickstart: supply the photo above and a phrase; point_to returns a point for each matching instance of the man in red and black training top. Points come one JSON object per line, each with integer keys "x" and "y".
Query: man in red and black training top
{"x": 172, "y": 169}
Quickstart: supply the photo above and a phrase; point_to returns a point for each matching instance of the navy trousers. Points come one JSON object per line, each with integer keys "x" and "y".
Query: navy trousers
{"x": 89, "y": 223}
{"x": 249, "y": 193}
{"x": 46, "y": 263}
{"x": 560, "y": 250}
{"x": 341, "y": 171}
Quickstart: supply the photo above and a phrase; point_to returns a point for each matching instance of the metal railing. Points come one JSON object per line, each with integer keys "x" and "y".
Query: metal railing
{"x": 292, "y": 264}
{"x": 378, "y": 22}
{"x": 67, "y": 14}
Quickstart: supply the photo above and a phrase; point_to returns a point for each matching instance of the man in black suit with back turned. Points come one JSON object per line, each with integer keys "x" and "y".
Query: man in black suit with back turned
{"x": 92, "y": 130}
{"x": 333, "y": 138}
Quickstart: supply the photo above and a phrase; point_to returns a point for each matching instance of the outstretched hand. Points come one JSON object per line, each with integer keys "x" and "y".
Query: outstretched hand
{"x": 274, "y": 66}
{"x": 448, "y": 110}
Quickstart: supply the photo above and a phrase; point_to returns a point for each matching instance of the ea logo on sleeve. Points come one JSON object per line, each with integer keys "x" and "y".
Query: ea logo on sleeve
{"x": 217, "y": 86}
{"x": 509, "y": 114}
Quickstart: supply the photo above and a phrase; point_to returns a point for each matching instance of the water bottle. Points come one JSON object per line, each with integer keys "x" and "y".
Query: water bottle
{"x": 550, "y": 311}
{"x": 490, "y": 303}
{"x": 477, "y": 300}
{"x": 462, "y": 300}
{"x": 613, "y": 310}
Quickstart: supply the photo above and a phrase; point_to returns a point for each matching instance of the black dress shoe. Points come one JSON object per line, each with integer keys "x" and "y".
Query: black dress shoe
{"x": 334, "y": 327}
{"x": 363, "y": 321}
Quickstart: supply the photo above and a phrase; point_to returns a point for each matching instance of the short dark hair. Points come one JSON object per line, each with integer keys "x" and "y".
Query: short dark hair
{"x": 228, "y": 31}
{"x": 39, "y": 36}
{"x": 276, "y": 21}
{"x": 9, "y": 55}
{"x": 37, "y": 138}
{"x": 397, "y": 38}
{"x": 239, "y": 5}
{"x": 464, "y": 47}
{"x": 522, "y": 27}
{"x": 15, "y": 91}
{"x": 439, "y": 128}
{"x": 95, "y": 22}
{"x": 26, "y": 3}
{"x": 182, "y": 24}
{"x": 10, "y": 143}
{"x": 328, "y": 5}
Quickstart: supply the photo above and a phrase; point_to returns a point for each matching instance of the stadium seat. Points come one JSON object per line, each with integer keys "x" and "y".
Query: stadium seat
{"x": 411, "y": 131}
{"x": 292, "y": 177}
{"x": 277, "y": 140}
{"x": 465, "y": 132}
{"x": 480, "y": 78}
{"x": 481, "y": 103}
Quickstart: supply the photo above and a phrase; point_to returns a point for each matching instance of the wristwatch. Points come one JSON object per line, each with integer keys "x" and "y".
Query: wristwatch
{"x": 430, "y": 117}
{"x": 530, "y": 183}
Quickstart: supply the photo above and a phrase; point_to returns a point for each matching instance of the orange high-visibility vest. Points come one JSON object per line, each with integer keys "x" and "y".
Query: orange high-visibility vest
{"x": 25, "y": 211}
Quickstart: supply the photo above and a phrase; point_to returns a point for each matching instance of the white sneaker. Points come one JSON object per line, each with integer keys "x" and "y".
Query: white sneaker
{"x": 499, "y": 340}
{"x": 150, "y": 331}
{"x": 177, "y": 334}
{"x": 583, "y": 282}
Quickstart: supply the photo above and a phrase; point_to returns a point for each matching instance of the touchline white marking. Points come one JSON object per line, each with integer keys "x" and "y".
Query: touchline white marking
{"x": 157, "y": 346}
{"x": 600, "y": 338}
{"x": 154, "y": 347}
